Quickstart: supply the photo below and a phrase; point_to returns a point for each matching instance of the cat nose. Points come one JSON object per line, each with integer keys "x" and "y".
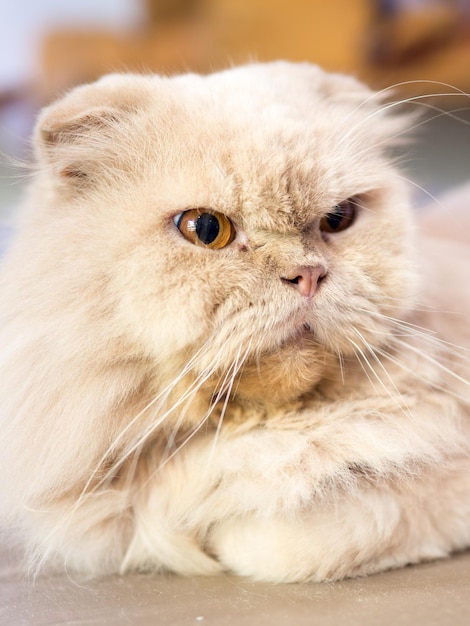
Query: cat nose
{"x": 306, "y": 279}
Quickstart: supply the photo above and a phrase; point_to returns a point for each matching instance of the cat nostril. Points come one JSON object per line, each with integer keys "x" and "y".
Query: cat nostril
{"x": 306, "y": 279}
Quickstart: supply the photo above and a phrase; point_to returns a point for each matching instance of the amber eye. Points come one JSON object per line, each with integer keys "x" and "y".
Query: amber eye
{"x": 342, "y": 216}
{"x": 206, "y": 228}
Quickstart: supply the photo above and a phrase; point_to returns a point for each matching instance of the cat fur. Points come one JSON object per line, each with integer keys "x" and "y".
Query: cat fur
{"x": 164, "y": 406}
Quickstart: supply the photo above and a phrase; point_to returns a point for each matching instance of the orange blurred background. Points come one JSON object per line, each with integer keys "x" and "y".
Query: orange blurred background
{"x": 381, "y": 41}
{"x": 48, "y": 46}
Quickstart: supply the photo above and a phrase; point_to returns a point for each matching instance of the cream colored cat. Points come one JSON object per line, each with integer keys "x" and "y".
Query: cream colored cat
{"x": 223, "y": 348}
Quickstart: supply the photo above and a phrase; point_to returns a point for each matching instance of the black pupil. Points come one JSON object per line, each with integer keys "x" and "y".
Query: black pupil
{"x": 335, "y": 219}
{"x": 207, "y": 228}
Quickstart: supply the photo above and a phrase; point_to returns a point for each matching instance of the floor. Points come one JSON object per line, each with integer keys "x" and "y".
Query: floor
{"x": 431, "y": 594}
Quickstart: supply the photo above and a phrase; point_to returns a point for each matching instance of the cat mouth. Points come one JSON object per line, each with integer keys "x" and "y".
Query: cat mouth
{"x": 299, "y": 334}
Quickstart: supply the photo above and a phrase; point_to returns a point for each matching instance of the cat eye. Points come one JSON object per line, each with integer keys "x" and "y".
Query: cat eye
{"x": 342, "y": 217}
{"x": 206, "y": 228}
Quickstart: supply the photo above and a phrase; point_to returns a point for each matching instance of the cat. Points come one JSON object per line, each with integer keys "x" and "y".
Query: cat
{"x": 226, "y": 345}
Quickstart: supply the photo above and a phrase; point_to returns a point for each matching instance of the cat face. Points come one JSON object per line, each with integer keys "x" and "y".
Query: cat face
{"x": 247, "y": 222}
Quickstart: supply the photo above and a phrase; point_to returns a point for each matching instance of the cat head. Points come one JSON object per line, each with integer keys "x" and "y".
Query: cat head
{"x": 247, "y": 223}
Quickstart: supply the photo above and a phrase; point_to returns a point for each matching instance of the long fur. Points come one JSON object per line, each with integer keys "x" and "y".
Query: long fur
{"x": 170, "y": 407}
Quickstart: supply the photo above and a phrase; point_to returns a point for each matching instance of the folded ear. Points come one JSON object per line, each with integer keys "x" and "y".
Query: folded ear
{"x": 70, "y": 144}
{"x": 83, "y": 130}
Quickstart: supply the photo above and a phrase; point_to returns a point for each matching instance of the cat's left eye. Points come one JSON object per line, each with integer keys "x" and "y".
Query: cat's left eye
{"x": 206, "y": 228}
{"x": 342, "y": 217}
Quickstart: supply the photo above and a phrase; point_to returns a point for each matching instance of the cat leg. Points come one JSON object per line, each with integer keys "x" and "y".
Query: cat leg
{"x": 372, "y": 529}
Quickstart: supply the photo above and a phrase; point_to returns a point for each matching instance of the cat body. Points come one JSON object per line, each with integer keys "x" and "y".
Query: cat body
{"x": 225, "y": 344}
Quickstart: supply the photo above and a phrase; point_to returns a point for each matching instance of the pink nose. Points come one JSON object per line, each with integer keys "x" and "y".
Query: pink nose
{"x": 306, "y": 279}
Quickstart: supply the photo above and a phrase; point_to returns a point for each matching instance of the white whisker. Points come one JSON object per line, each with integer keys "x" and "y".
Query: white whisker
{"x": 417, "y": 375}
{"x": 188, "y": 394}
{"x": 417, "y": 100}
{"x": 403, "y": 406}
{"x": 223, "y": 392}
{"x": 382, "y": 93}
{"x": 434, "y": 361}
{"x": 422, "y": 189}
{"x": 361, "y": 358}
{"x": 228, "y": 388}
{"x": 134, "y": 449}
{"x": 403, "y": 328}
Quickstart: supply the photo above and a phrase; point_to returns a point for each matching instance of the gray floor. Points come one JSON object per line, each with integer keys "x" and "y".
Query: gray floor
{"x": 430, "y": 594}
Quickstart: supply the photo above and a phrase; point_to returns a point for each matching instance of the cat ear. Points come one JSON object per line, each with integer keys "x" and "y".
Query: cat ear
{"x": 67, "y": 143}
{"x": 76, "y": 136}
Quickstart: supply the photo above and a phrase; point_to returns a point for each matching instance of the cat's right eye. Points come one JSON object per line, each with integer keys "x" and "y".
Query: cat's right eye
{"x": 342, "y": 217}
{"x": 206, "y": 228}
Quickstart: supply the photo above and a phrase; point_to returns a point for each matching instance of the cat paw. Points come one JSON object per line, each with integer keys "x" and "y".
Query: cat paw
{"x": 279, "y": 551}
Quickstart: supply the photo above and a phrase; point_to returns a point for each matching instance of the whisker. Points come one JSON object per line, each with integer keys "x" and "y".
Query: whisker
{"x": 409, "y": 329}
{"x": 402, "y": 323}
{"x": 224, "y": 390}
{"x": 204, "y": 376}
{"x": 135, "y": 449}
{"x": 164, "y": 461}
{"x": 418, "y": 376}
{"x": 162, "y": 396}
{"x": 382, "y": 93}
{"x": 402, "y": 406}
{"x": 409, "y": 130}
{"x": 339, "y": 354}
{"x": 186, "y": 396}
{"x": 358, "y": 351}
{"x": 422, "y": 189}
{"x": 434, "y": 361}
{"x": 236, "y": 368}
{"x": 417, "y": 100}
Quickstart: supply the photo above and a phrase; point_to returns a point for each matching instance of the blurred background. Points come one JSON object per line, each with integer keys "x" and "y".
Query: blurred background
{"x": 47, "y": 46}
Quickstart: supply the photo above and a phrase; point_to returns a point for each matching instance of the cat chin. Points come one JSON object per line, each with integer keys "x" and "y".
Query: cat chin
{"x": 287, "y": 372}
